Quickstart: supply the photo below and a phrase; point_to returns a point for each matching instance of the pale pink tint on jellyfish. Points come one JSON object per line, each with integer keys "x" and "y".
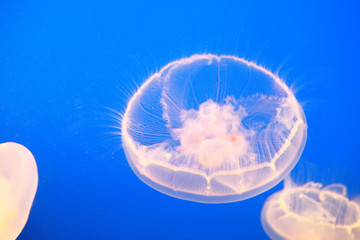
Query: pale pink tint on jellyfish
{"x": 311, "y": 212}
{"x": 18, "y": 184}
{"x": 213, "y": 129}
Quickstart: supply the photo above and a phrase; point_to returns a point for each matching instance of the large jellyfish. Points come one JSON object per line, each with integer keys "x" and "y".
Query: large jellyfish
{"x": 213, "y": 129}
{"x": 18, "y": 184}
{"x": 311, "y": 212}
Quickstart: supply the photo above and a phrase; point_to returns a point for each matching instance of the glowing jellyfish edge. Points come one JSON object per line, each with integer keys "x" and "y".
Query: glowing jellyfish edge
{"x": 314, "y": 219}
{"x": 135, "y": 151}
{"x": 18, "y": 185}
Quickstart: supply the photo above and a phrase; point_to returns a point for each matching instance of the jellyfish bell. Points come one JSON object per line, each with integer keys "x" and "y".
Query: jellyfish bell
{"x": 213, "y": 129}
{"x": 18, "y": 184}
{"x": 311, "y": 211}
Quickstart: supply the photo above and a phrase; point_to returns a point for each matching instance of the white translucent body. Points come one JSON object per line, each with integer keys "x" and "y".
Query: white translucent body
{"x": 213, "y": 129}
{"x": 18, "y": 184}
{"x": 311, "y": 212}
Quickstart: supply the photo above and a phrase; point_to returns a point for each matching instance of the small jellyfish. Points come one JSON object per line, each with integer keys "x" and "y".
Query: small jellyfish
{"x": 213, "y": 129}
{"x": 18, "y": 184}
{"x": 311, "y": 212}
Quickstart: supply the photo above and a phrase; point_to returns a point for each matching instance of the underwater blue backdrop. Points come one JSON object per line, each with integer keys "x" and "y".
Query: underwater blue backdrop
{"x": 65, "y": 65}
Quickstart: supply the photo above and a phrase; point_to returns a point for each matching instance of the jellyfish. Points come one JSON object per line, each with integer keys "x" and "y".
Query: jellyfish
{"x": 213, "y": 129}
{"x": 18, "y": 184}
{"x": 313, "y": 212}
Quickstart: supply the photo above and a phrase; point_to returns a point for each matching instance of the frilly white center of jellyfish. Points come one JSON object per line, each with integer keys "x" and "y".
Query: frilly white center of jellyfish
{"x": 212, "y": 134}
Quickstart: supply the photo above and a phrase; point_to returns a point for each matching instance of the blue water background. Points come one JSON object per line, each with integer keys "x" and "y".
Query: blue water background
{"x": 64, "y": 64}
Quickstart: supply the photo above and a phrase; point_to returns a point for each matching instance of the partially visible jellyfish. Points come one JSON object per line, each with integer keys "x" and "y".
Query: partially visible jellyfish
{"x": 311, "y": 212}
{"x": 18, "y": 184}
{"x": 213, "y": 129}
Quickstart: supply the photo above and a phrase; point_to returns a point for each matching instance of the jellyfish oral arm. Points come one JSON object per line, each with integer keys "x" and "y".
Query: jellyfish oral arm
{"x": 212, "y": 134}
